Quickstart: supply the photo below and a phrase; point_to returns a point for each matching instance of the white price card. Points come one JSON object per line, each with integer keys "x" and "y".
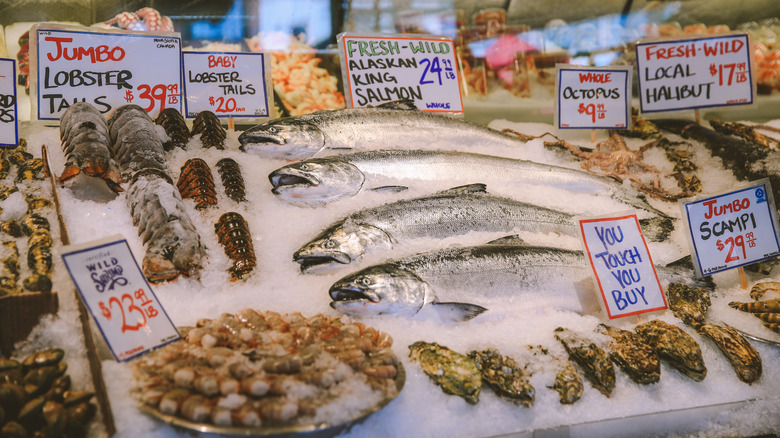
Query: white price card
{"x": 379, "y": 68}
{"x": 622, "y": 265}
{"x": 732, "y": 229}
{"x": 9, "y": 123}
{"x": 119, "y": 298}
{"x": 692, "y": 73}
{"x": 106, "y": 68}
{"x": 592, "y": 97}
{"x": 227, "y": 84}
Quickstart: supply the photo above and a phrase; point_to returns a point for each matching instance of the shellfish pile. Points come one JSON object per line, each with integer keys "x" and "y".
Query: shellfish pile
{"x": 259, "y": 369}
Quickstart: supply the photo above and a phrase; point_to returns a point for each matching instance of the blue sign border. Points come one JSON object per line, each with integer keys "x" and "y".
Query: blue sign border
{"x": 16, "y": 101}
{"x": 627, "y": 114}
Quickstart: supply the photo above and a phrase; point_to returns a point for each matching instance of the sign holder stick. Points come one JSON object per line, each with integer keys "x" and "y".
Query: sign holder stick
{"x": 95, "y": 367}
{"x": 231, "y": 124}
{"x": 742, "y": 277}
{"x": 592, "y": 135}
{"x": 697, "y": 115}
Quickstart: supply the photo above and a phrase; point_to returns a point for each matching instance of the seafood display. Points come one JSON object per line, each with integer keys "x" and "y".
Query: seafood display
{"x": 504, "y": 376}
{"x": 687, "y": 303}
{"x": 266, "y": 371}
{"x": 567, "y": 382}
{"x": 36, "y": 398}
{"x": 632, "y": 355}
{"x": 590, "y": 357}
{"x": 768, "y": 311}
{"x": 39, "y": 258}
{"x": 212, "y": 134}
{"x": 196, "y": 183}
{"x": 452, "y": 212}
{"x": 675, "y": 346}
{"x": 144, "y": 19}
{"x": 454, "y": 284}
{"x": 84, "y": 134}
{"x": 173, "y": 245}
{"x": 233, "y": 233}
{"x": 318, "y": 181}
{"x": 175, "y": 127}
{"x": 359, "y": 129}
{"x": 230, "y": 174}
{"x": 742, "y": 356}
{"x": 454, "y": 372}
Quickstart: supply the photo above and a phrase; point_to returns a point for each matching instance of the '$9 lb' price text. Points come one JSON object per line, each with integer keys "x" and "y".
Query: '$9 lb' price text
{"x": 133, "y": 308}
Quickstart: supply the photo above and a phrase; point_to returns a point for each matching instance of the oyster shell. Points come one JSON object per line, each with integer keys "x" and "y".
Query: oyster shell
{"x": 688, "y": 303}
{"x": 595, "y": 361}
{"x": 454, "y": 372}
{"x": 743, "y": 357}
{"x": 632, "y": 355}
{"x": 568, "y": 384}
{"x": 505, "y": 377}
{"x": 675, "y": 346}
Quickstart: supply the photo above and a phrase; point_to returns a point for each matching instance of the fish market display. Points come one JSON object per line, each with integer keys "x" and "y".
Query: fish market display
{"x": 768, "y": 311}
{"x": 743, "y": 357}
{"x": 175, "y": 127}
{"x": 455, "y": 283}
{"x": 212, "y": 134}
{"x": 233, "y": 233}
{"x": 9, "y": 279}
{"x": 632, "y": 355}
{"x": 567, "y": 382}
{"x": 760, "y": 289}
{"x": 85, "y": 141}
{"x": 688, "y": 303}
{"x": 675, "y": 346}
{"x": 37, "y": 400}
{"x": 454, "y": 372}
{"x": 173, "y": 245}
{"x": 196, "y": 183}
{"x": 144, "y": 19}
{"x": 318, "y": 181}
{"x": 504, "y": 376}
{"x": 389, "y": 124}
{"x": 590, "y": 357}
{"x": 39, "y": 258}
{"x": 453, "y": 212}
{"x": 266, "y": 370}
{"x": 230, "y": 174}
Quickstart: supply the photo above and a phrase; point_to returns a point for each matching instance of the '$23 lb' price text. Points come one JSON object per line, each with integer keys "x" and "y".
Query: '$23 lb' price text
{"x": 133, "y": 308}
{"x": 159, "y": 94}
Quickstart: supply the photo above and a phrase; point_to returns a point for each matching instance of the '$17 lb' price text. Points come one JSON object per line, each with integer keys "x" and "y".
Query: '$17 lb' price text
{"x": 135, "y": 307}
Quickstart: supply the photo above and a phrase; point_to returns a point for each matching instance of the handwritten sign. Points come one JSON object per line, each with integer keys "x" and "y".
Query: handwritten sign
{"x": 622, "y": 265}
{"x": 733, "y": 229}
{"x": 382, "y": 68}
{"x": 593, "y": 98}
{"x": 119, "y": 298}
{"x": 695, "y": 73}
{"x": 227, "y": 84}
{"x": 104, "y": 68}
{"x": 9, "y": 124}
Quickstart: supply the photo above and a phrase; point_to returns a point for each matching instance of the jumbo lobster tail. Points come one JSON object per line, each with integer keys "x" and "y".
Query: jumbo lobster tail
{"x": 212, "y": 134}
{"x": 233, "y": 233}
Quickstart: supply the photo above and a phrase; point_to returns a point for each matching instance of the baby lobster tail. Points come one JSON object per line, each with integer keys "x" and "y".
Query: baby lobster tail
{"x": 230, "y": 172}
{"x": 84, "y": 136}
{"x": 212, "y": 134}
{"x": 233, "y": 233}
{"x": 195, "y": 182}
{"x": 173, "y": 246}
{"x": 175, "y": 127}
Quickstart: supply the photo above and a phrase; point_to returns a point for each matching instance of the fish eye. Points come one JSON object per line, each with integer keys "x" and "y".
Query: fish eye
{"x": 366, "y": 281}
{"x": 273, "y": 129}
{"x": 329, "y": 244}
{"x": 304, "y": 167}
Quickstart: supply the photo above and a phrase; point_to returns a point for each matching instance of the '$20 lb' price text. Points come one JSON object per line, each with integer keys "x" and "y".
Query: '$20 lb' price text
{"x": 136, "y": 307}
{"x": 225, "y": 105}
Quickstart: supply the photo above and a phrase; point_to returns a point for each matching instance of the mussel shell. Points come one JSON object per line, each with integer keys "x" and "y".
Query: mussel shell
{"x": 12, "y": 429}
{"x": 77, "y": 397}
{"x": 14, "y": 376}
{"x": 31, "y": 414}
{"x": 43, "y": 358}
{"x": 39, "y": 380}
{"x": 8, "y": 364}
{"x": 78, "y": 416}
{"x": 55, "y": 417}
{"x": 12, "y": 398}
{"x": 58, "y": 388}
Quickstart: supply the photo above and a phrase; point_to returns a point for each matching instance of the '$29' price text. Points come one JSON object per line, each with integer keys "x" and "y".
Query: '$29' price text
{"x": 158, "y": 95}
{"x": 735, "y": 242}
{"x": 133, "y": 308}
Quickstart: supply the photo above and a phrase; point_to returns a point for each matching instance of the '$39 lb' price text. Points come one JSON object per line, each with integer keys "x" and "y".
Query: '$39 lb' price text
{"x": 158, "y": 94}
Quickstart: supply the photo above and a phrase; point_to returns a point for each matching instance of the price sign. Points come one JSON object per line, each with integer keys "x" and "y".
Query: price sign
{"x": 695, "y": 73}
{"x": 593, "y": 98}
{"x": 384, "y": 68}
{"x": 9, "y": 125}
{"x": 733, "y": 229}
{"x": 104, "y": 68}
{"x": 622, "y": 265}
{"x": 227, "y": 84}
{"x": 119, "y": 298}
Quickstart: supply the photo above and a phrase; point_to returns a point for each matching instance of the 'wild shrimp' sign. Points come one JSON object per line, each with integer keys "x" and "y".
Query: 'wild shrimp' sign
{"x": 383, "y": 68}
{"x": 9, "y": 125}
{"x": 593, "y": 98}
{"x": 119, "y": 298}
{"x": 695, "y": 73}
{"x": 622, "y": 265}
{"x": 227, "y": 84}
{"x": 105, "y": 68}
{"x": 732, "y": 229}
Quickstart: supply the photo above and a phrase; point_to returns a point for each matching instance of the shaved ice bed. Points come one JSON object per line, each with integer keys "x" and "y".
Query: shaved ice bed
{"x": 719, "y": 405}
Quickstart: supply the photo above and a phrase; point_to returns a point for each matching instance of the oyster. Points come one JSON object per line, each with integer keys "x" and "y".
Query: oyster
{"x": 675, "y": 346}
{"x": 567, "y": 382}
{"x": 688, "y": 303}
{"x": 596, "y": 363}
{"x": 505, "y": 377}
{"x": 743, "y": 357}
{"x": 632, "y": 355}
{"x": 454, "y": 372}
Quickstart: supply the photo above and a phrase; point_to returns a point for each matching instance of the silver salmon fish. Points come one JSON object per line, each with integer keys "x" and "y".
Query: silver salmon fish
{"x": 301, "y": 137}
{"x": 452, "y": 212}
